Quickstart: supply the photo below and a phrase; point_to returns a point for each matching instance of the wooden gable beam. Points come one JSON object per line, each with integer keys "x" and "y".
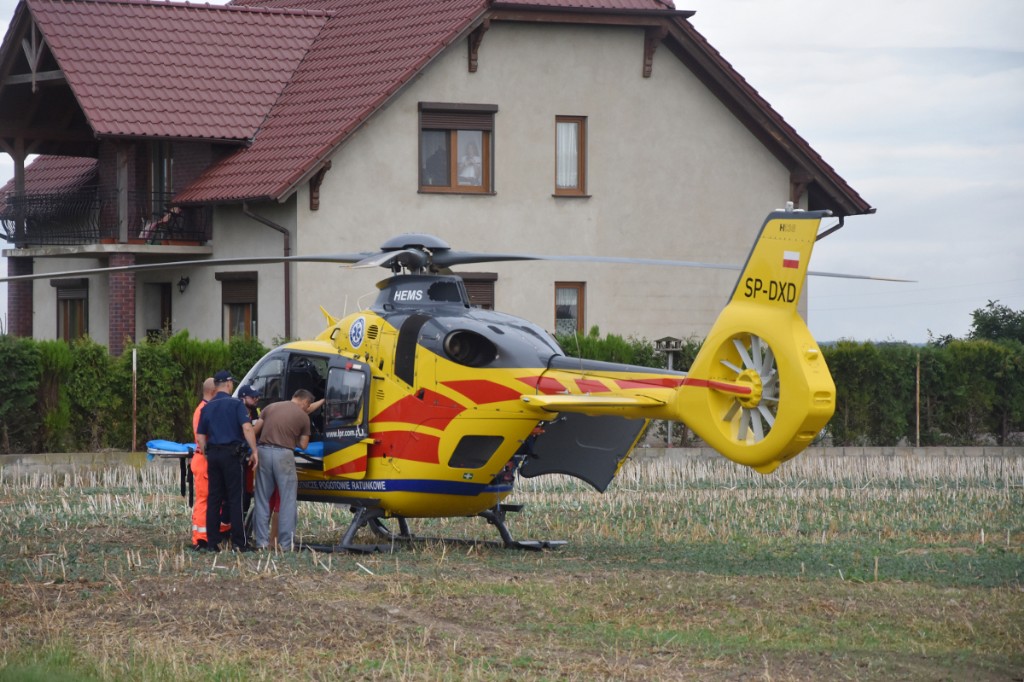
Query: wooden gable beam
{"x": 475, "y": 38}
{"x": 652, "y": 38}
{"x": 314, "y": 186}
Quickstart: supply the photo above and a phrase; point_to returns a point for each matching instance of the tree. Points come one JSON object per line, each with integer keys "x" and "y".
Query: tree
{"x": 996, "y": 322}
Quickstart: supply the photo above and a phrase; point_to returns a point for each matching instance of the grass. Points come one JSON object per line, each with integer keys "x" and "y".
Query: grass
{"x": 858, "y": 568}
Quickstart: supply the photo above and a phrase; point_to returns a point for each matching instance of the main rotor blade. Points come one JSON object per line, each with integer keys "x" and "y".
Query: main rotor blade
{"x": 171, "y": 265}
{"x": 453, "y": 258}
{"x": 411, "y": 258}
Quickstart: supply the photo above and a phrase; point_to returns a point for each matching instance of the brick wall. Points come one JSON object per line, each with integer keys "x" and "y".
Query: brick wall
{"x": 121, "y": 302}
{"x": 19, "y": 298}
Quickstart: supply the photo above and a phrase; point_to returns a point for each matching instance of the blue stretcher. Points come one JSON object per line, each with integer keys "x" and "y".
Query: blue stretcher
{"x": 170, "y": 449}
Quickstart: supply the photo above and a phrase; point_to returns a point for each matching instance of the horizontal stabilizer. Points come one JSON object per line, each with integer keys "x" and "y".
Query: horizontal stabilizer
{"x": 589, "y": 404}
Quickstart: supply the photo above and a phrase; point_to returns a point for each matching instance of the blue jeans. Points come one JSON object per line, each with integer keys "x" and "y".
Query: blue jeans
{"x": 276, "y": 469}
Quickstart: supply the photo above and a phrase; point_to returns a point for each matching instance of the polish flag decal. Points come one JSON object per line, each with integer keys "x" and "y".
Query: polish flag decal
{"x": 791, "y": 259}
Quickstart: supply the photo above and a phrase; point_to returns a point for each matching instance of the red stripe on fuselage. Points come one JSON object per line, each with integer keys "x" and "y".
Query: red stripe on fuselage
{"x": 354, "y": 467}
{"x": 545, "y": 385}
{"x": 653, "y": 382}
{"x": 432, "y": 407}
{"x": 408, "y": 445}
{"x": 481, "y": 391}
{"x": 718, "y": 385}
{"x": 591, "y": 386}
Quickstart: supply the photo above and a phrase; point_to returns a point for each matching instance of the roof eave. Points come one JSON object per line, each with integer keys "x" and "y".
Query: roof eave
{"x": 235, "y": 141}
{"x": 759, "y": 116}
{"x": 502, "y": 9}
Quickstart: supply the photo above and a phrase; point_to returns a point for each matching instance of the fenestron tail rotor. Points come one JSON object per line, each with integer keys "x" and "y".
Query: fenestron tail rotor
{"x": 752, "y": 415}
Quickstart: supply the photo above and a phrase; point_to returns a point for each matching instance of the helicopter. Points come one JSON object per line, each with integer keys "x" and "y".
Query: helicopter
{"x": 433, "y": 408}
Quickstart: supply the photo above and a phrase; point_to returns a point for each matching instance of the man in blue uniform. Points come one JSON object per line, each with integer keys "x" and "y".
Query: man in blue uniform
{"x": 224, "y": 429}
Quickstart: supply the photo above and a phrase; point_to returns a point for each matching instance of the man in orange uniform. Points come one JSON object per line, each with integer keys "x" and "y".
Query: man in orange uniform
{"x": 199, "y": 475}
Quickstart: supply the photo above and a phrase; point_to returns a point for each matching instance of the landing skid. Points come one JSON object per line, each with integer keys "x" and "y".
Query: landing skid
{"x": 373, "y": 517}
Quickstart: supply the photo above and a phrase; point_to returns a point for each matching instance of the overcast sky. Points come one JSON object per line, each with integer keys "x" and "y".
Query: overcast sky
{"x": 919, "y": 105}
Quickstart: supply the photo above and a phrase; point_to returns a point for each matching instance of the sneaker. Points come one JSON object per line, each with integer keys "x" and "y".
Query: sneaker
{"x": 200, "y": 546}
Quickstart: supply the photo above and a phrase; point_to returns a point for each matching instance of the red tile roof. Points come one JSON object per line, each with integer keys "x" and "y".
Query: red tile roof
{"x": 175, "y": 70}
{"x": 53, "y": 175}
{"x": 302, "y": 75}
{"x": 615, "y": 5}
{"x": 56, "y": 175}
{"x": 367, "y": 50}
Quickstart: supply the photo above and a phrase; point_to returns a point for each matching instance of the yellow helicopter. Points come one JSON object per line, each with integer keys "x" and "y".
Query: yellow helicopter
{"x": 432, "y": 408}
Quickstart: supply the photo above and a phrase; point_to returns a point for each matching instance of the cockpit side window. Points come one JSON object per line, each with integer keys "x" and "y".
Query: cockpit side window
{"x": 308, "y": 372}
{"x": 267, "y": 380}
{"x": 445, "y": 291}
{"x": 343, "y": 405}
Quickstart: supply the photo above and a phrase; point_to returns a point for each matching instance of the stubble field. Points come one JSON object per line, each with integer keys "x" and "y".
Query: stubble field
{"x": 863, "y": 568}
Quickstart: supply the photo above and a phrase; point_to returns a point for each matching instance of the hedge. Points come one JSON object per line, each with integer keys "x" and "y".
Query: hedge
{"x": 75, "y": 397}
{"x": 61, "y": 397}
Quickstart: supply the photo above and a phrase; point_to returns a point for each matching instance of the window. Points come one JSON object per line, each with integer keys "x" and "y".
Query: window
{"x": 343, "y": 404}
{"x": 480, "y": 287}
{"x": 268, "y": 380}
{"x": 238, "y": 298}
{"x": 72, "y": 308}
{"x": 570, "y": 155}
{"x": 569, "y": 307}
{"x": 161, "y": 176}
{"x": 156, "y": 309}
{"x": 456, "y": 147}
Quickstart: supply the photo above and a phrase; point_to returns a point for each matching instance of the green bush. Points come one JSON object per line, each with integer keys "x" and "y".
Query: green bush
{"x": 627, "y": 351}
{"x": 56, "y": 363}
{"x": 875, "y": 386}
{"x": 21, "y": 367}
{"x": 94, "y": 402}
{"x": 197, "y": 360}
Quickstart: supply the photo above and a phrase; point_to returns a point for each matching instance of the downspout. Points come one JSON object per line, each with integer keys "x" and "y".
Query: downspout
{"x": 287, "y": 265}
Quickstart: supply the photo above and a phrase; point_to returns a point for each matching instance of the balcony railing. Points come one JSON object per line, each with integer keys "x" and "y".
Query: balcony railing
{"x": 89, "y": 215}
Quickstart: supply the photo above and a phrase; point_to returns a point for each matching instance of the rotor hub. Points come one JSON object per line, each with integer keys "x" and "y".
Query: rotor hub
{"x": 751, "y": 379}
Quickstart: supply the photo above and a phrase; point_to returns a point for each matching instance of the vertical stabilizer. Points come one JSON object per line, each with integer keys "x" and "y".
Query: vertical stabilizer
{"x": 759, "y": 391}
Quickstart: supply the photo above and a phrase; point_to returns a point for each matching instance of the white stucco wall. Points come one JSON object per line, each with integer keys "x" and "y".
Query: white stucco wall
{"x": 44, "y": 298}
{"x": 236, "y": 235}
{"x": 671, "y": 174}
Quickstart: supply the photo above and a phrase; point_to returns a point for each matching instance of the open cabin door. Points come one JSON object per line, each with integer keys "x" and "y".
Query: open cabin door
{"x": 346, "y": 415}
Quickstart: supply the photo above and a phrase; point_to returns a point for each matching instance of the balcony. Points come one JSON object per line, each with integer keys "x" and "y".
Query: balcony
{"x": 91, "y": 216}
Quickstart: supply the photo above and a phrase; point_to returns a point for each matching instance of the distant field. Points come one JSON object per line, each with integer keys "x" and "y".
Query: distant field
{"x": 866, "y": 568}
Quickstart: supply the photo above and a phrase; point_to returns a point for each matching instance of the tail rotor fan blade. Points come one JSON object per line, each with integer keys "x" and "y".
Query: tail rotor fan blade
{"x": 753, "y": 420}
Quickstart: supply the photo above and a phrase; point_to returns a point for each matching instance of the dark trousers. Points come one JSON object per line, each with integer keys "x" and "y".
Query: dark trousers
{"x": 225, "y": 473}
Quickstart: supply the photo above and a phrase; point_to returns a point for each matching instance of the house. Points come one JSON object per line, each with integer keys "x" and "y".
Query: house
{"x": 597, "y": 127}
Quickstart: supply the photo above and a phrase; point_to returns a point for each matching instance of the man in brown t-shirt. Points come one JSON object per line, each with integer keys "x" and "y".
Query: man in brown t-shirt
{"x": 285, "y": 427}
